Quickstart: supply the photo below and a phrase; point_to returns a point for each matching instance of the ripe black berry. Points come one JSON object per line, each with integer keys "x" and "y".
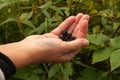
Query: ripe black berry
{"x": 65, "y": 36}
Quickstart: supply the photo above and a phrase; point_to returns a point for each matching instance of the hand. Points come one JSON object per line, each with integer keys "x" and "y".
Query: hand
{"x": 48, "y": 47}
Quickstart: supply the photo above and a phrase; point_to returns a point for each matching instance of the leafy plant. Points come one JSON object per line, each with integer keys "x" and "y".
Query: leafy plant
{"x": 98, "y": 61}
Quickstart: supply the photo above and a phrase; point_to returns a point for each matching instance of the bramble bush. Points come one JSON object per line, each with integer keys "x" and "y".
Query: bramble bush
{"x": 98, "y": 61}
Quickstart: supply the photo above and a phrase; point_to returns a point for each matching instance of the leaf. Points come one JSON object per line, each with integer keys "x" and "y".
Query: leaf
{"x": 115, "y": 60}
{"x": 115, "y": 42}
{"x": 67, "y": 71}
{"x": 26, "y": 16}
{"x": 66, "y": 10}
{"x": 23, "y": 73}
{"x": 4, "y": 0}
{"x": 89, "y": 74}
{"x": 90, "y": 4}
{"x": 84, "y": 65}
{"x": 103, "y": 13}
{"x": 46, "y": 5}
{"x": 53, "y": 70}
{"x": 9, "y": 20}
{"x": 116, "y": 25}
{"x": 4, "y": 5}
{"x": 104, "y": 20}
{"x": 104, "y": 74}
{"x": 118, "y": 15}
{"x": 32, "y": 77}
{"x": 108, "y": 27}
{"x": 42, "y": 27}
{"x": 56, "y": 9}
{"x": 45, "y": 12}
{"x": 23, "y": 0}
{"x": 101, "y": 54}
{"x": 38, "y": 71}
{"x": 96, "y": 29}
{"x": 38, "y": 30}
{"x": 28, "y": 23}
{"x": 97, "y": 39}
{"x": 93, "y": 11}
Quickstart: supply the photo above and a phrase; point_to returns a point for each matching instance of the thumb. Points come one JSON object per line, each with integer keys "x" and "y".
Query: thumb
{"x": 76, "y": 44}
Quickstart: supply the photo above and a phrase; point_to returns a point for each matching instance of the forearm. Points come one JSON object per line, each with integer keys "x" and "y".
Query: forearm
{"x": 16, "y": 53}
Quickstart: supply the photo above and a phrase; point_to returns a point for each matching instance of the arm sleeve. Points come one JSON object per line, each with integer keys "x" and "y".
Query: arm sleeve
{"x": 2, "y": 77}
{"x": 6, "y": 66}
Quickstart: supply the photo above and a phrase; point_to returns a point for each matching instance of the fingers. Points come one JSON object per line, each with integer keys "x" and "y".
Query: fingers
{"x": 71, "y": 28}
{"x": 64, "y": 25}
{"x": 72, "y": 48}
{"x": 82, "y": 27}
{"x": 75, "y": 44}
{"x": 78, "y": 26}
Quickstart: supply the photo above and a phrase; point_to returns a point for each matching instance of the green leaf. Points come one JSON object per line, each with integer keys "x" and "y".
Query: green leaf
{"x": 116, "y": 25}
{"x": 115, "y": 60}
{"x": 66, "y": 10}
{"x": 38, "y": 71}
{"x": 45, "y": 12}
{"x": 46, "y": 5}
{"x": 103, "y": 13}
{"x": 93, "y": 11}
{"x": 101, "y": 54}
{"x": 89, "y": 74}
{"x": 84, "y": 65}
{"x": 108, "y": 27}
{"x": 38, "y": 30}
{"x": 56, "y": 9}
{"x": 28, "y": 23}
{"x": 53, "y": 70}
{"x": 23, "y": 73}
{"x": 32, "y": 77}
{"x": 104, "y": 74}
{"x": 4, "y": 5}
{"x": 98, "y": 39}
{"x": 104, "y": 20}
{"x": 115, "y": 42}
{"x": 96, "y": 29}
{"x": 118, "y": 15}
{"x": 42, "y": 27}
{"x": 67, "y": 71}
{"x": 26, "y": 16}
{"x": 9, "y": 20}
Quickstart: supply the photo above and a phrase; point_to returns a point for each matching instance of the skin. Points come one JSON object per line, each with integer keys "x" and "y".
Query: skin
{"x": 48, "y": 48}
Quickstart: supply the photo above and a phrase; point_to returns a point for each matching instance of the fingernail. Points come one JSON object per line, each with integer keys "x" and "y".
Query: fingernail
{"x": 85, "y": 42}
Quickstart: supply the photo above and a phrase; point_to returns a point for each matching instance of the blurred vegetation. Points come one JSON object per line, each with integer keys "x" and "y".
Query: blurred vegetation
{"x": 98, "y": 61}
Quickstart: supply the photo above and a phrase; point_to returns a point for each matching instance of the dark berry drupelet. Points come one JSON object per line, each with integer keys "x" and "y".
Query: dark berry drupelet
{"x": 65, "y": 36}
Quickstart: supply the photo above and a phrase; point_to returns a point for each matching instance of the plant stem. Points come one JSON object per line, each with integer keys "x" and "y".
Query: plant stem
{"x": 114, "y": 34}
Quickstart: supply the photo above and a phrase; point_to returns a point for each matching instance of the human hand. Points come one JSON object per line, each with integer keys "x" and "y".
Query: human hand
{"x": 49, "y": 47}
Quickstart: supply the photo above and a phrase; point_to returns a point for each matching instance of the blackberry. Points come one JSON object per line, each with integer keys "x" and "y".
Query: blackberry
{"x": 65, "y": 36}
{"x": 64, "y": 33}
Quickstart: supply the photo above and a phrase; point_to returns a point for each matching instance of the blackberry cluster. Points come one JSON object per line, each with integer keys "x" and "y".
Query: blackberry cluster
{"x": 65, "y": 36}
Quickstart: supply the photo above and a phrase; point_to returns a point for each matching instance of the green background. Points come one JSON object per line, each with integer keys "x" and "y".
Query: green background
{"x": 98, "y": 61}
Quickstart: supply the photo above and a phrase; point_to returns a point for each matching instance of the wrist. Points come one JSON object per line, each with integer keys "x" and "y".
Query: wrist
{"x": 17, "y": 54}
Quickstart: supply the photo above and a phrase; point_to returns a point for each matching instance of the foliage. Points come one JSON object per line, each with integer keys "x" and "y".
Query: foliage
{"x": 98, "y": 61}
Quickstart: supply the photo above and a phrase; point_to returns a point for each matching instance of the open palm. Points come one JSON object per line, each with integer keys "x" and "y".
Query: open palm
{"x": 50, "y": 48}
{"x": 76, "y": 25}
